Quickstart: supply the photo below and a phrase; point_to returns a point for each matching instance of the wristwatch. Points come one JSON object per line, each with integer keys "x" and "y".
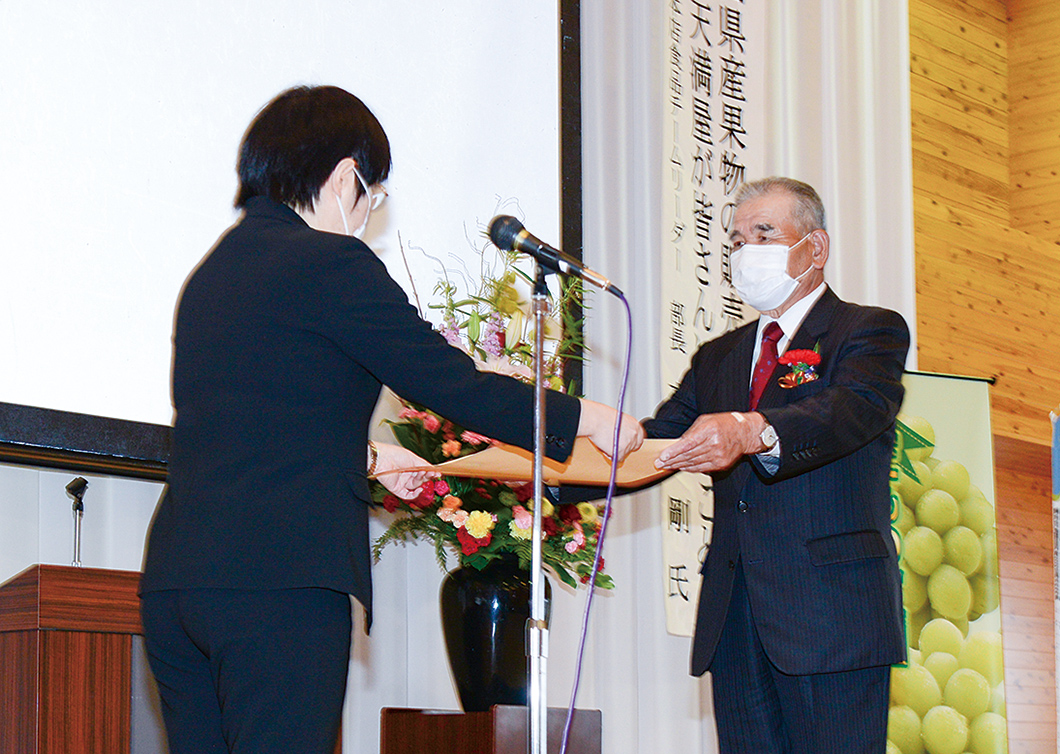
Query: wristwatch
{"x": 769, "y": 436}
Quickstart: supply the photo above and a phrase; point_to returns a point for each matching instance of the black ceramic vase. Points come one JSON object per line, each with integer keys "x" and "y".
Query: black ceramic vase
{"x": 484, "y": 616}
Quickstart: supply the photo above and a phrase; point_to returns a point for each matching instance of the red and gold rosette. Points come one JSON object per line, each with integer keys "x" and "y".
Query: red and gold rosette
{"x": 802, "y": 363}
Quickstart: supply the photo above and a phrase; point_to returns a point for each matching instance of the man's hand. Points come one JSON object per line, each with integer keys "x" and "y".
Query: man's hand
{"x": 597, "y": 422}
{"x": 715, "y": 442}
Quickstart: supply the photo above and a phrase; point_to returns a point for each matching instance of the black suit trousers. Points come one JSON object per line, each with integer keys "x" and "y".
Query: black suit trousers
{"x": 762, "y": 710}
{"x": 249, "y": 671}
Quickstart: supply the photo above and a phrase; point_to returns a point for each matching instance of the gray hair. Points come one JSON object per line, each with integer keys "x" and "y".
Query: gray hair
{"x": 808, "y": 210}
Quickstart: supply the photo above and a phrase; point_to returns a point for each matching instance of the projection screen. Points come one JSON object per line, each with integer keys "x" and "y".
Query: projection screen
{"x": 121, "y": 120}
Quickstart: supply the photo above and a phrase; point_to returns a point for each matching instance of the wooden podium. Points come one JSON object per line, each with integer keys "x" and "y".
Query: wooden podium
{"x": 66, "y": 653}
{"x": 501, "y": 730}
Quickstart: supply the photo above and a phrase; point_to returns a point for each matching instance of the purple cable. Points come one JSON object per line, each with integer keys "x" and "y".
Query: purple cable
{"x": 603, "y": 526}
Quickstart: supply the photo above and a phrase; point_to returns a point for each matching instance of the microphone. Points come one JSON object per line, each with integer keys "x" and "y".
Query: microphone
{"x": 508, "y": 234}
{"x": 76, "y": 490}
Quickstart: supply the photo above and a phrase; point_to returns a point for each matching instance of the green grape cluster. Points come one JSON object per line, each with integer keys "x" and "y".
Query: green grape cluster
{"x": 949, "y": 698}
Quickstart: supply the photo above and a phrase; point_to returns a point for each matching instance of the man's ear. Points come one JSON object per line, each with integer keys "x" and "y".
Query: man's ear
{"x": 820, "y": 242}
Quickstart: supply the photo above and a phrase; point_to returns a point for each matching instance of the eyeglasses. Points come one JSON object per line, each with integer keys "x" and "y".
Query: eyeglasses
{"x": 375, "y": 198}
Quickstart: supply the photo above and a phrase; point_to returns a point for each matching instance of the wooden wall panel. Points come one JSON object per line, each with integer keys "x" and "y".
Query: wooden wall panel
{"x": 989, "y": 14}
{"x": 985, "y": 96}
{"x": 1034, "y": 33}
{"x": 986, "y": 290}
{"x": 1024, "y": 527}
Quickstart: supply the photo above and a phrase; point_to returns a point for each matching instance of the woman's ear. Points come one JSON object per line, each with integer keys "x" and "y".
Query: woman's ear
{"x": 343, "y": 181}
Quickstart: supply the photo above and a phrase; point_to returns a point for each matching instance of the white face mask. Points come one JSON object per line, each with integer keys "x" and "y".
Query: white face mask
{"x": 760, "y": 274}
{"x": 345, "y": 224}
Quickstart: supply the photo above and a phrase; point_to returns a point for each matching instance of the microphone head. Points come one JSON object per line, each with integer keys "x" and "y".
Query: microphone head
{"x": 503, "y": 231}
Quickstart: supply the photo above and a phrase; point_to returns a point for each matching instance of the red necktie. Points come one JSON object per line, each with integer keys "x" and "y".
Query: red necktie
{"x": 767, "y": 362}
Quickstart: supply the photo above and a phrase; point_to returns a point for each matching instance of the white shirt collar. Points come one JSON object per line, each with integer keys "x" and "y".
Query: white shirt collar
{"x": 790, "y": 321}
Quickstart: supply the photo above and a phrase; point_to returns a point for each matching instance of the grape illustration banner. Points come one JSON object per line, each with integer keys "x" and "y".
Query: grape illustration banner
{"x": 950, "y": 695}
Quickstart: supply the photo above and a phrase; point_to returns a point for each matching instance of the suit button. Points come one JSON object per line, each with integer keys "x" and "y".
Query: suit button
{"x": 743, "y": 507}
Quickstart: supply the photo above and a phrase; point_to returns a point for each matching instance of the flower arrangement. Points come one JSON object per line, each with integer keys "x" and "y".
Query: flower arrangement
{"x": 494, "y": 324}
{"x": 481, "y": 520}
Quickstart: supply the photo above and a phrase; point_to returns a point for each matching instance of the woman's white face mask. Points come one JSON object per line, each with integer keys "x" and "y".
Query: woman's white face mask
{"x": 368, "y": 212}
{"x": 346, "y": 225}
{"x": 760, "y": 274}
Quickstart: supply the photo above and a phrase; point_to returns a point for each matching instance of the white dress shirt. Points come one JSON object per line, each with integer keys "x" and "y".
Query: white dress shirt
{"x": 789, "y": 322}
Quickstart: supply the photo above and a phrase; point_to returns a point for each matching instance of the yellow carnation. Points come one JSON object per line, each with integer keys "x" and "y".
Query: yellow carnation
{"x": 519, "y": 533}
{"x": 479, "y": 524}
{"x": 590, "y": 513}
{"x": 548, "y": 510}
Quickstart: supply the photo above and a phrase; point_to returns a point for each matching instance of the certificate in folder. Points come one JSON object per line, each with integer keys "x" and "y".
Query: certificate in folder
{"x": 587, "y": 464}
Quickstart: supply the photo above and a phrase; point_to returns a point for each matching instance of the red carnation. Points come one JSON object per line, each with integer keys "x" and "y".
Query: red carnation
{"x": 425, "y": 498}
{"x": 391, "y": 503}
{"x": 470, "y": 545}
{"x": 550, "y": 525}
{"x": 524, "y": 492}
{"x": 421, "y": 502}
{"x": 585, "y": 578}
{"x": 801, "y": 356}
{"x": 570, "y": 514}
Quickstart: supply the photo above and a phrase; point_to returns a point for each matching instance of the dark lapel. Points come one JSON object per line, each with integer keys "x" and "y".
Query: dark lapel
{"x": 733, "y": 391}
{"x": 810, "y": 332}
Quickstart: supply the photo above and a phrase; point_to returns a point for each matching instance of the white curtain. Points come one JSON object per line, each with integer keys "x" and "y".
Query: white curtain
{"x": 839, "y": 119}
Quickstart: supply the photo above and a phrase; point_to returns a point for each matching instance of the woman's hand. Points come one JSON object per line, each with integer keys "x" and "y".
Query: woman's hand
{"x": 597, "y": 422}
{"x": 390, "y": 461}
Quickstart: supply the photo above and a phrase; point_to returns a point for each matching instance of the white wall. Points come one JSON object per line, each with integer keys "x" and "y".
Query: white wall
{"x": 37, "y": 525}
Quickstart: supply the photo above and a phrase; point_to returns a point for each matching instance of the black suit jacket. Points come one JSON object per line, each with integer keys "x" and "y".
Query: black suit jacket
{"x": 814, "y": 539}
{"x": 284, "y": 335}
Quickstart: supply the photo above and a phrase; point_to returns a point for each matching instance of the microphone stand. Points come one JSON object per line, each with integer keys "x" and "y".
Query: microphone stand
{"x": 76, "y": 490}
{"x": 508, "y": 233}
{"x": 79, "y": 513}
{"x": 536, "y": 626}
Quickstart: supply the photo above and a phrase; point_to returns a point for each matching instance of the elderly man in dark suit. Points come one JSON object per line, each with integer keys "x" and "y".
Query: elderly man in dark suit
{"x": 800, "y": 611}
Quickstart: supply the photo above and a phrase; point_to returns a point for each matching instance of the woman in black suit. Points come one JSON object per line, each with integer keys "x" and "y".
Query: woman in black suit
{"x": 284, "y": 335}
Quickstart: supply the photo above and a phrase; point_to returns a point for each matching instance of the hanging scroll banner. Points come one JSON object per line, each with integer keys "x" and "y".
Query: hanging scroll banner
{"x": 950, "y": 695}
{"x": 714, "y": 132}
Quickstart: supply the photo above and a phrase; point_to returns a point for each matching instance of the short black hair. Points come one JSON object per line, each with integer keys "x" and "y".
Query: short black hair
{"x": 296, "y": 140}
